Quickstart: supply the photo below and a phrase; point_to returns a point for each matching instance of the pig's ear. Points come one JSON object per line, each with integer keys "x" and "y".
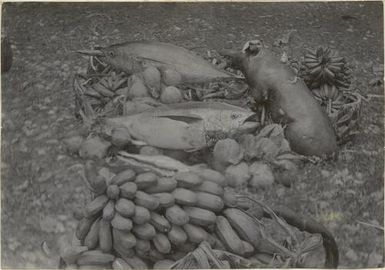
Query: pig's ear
{"x": 236, "y": 57}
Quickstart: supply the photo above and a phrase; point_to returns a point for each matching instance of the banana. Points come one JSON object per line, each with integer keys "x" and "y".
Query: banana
{"x": 316, "y": 92}
{"x": 103, "y": 90}
{"x": 322, "y": 92}
{"x": 328, "y": 91}
{"x": 334, "y": 68}
{"x": 318, "y": 77}
{"x": 121, "y": 223}
{"x": 312, "y": 65}
{"x": 119, "y": 84}
{"x": 311, "y": 52}
{"x": 92, "y": 93}
{"x": 123, "y": 239}
{"x": 110, "y": 83}
{"x": 334, "y": 93}
{"x": 109, "y": 210}
{"x": 316, "y": 70}
{"x": 105, "y": 236}
{"x": 95, "y": 257}
{"x": 329, "y": 76}
{"x": 337, "y": 59}
{"x": 92, "y": 238}
{"x": 121, "y": 264}
{"x": 311, "y": 56}
{"x": 84, "y": 226}
{"x": 96, "y": 205}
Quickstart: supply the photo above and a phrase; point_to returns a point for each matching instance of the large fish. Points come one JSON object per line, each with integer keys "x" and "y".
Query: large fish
{"x": 186, "y": 126}
{"x": 288, "y": 99}
{"x": 133, "y": 57}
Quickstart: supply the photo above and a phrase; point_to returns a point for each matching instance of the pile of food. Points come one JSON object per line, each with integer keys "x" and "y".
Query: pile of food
{"x": 165, "y": 143}
{"x": 146, "y": 221}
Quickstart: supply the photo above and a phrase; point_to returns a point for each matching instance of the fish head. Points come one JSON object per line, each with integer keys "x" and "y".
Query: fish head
{"x": 117, "y": 56}
{"x": 238, "y": 121}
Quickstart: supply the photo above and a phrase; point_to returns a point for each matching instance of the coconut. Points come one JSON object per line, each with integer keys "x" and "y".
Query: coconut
{"x": 73, "y": 143}
{"x": 171, "y": 77}
{"x": 94, "y": 147}
{"x": 137, "y": 87}
{"x": 120, "y": 136}
{"x": 262, "y": 175}
{"x": 151, "y": 77}
{"x": 227, "y": 152}
{"x": 171, "y": 94}
{"x": 237, "y": 175}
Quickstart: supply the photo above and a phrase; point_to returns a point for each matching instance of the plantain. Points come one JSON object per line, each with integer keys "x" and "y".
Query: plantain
{"x": 120, "y": 264}
{"x": 128, "y": 190}
{"x": 161, "y": 243}
{"x": 125, "y": 176}
{"x": 103, "y": 90}
{"x": 160, "y": 222}
{"x": 125, "y": 207}
{"x": 312, "y": 64}
{"x": 84, "y": 226}
{"x": 329, "y": 75}
{"x": 315, "y": 71}
{"x": 92, "y": 93}
{"x": 334, "y": 68}
{"x": 113, "y": 192}
{"x": 96, "y": 205}
{"x": 95, "y": 257}
{"x": 109, "y": 210}
{"x": 92, "y": 238}
{"x": 121, "y": 223}
{"x": 337, "y": 59}
{"x": 105, "y": 236}
{"x": 124, "y": 239}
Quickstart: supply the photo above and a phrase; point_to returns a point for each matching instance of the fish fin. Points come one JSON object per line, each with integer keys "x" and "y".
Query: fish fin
{"x": 191, "y": 150}
{"x": 186, "y": 118}
{"x": 138, "y": 143}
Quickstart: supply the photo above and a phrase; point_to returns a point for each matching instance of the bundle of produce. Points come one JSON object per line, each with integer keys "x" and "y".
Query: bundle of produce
{"x": 142, "y": 216}
{"x": 325, "y": 66}
{"x": 328, "y": 76}
{"x": 121, "y": 74}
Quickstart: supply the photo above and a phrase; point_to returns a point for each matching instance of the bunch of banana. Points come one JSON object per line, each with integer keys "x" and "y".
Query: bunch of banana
{"x": 139, "y": 216}
{"x": 101, "y": 94}
{"x": 324, "y": 65}
{"x": 326, "y": 92}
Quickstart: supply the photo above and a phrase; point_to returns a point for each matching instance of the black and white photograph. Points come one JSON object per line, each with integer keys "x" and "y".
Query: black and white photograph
{"x": 192, "y": 135}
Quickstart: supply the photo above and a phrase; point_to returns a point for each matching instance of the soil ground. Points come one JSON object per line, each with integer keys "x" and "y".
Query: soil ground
{"x": 41, "y": 186}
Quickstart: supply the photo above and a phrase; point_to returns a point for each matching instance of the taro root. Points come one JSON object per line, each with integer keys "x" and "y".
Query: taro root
{"x": 237, "y": 175}
{"x": 171, "y": 77}
{"x": 94, "y": 147}
{"x": 120, "y": 136}
{"x": 73, "y": 143}
{"x": 262, "y": 175}
{"x": 137, "y": 87}
{"x": 171, "y": 94}
{"x": 151, "y": 77}
{"x": 227, "y": 152}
